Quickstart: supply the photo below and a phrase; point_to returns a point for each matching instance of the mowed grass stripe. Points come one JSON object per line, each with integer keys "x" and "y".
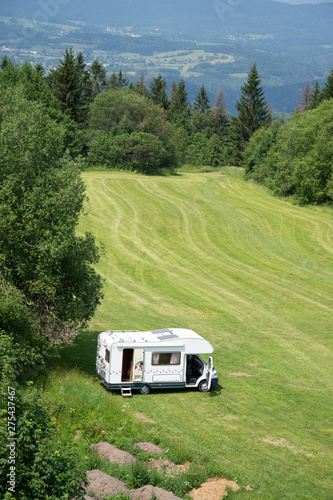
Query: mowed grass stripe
{"x": 254, "y": 275}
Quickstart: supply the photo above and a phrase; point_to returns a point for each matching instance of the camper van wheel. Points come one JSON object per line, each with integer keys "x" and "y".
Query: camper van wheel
{"x": 203, "y": 386}
{"x": 144, "y": 389}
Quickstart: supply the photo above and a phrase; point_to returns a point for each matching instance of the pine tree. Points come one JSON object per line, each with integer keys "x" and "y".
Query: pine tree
{"x": 85, "y": 85}
{"x": 220, "y": 113}
{"x": 71, "y": 85}
{"x": 327, "y": 92}
{"x": 158, "y": 92}
{"x": 252, "y": 107}
{"x": 122, "y": 80}
{"x": 5, "y": 62}
{"x": 178, "y": 101}
{"x": 201, "y": 102}
{"x": 253, "y": 113}
{"x": 113, "y": 81}
{"x": 140, "y": 86}
{"x": 98, "y": 78}
{"x": 315, "y": 97}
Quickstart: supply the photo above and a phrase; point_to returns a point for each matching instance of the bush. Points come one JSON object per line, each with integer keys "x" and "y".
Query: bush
{"x": 296, "y": 159}
{"x": 40, "y": 468}
{"x": 128, "y": 131}
{"x": 256, "y": 151}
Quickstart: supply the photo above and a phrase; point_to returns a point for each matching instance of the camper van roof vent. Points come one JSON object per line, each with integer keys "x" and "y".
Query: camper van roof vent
{"x": 165, "y": 330}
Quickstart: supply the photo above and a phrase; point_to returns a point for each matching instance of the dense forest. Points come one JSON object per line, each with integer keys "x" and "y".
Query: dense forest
{"x": 53, "y": 126}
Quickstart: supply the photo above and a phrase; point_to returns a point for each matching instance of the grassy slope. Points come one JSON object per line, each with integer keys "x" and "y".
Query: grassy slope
{"x": 254, "y": 275}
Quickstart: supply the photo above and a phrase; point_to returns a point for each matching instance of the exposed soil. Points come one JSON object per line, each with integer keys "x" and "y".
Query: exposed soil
{"x": 150, "y": 448}
{"x": 145, "y": 493}
{"x": 162, "y": 464}
{"x": 213, "y": 489}
{"x": 239, "y": 374}
{"x": 102, "y": 485}
{"x": 141, "y": 416}
{"x": 106, "y": 450}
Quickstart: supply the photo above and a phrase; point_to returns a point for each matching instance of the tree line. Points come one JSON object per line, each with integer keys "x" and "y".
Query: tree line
{"x": 150, "y": 128}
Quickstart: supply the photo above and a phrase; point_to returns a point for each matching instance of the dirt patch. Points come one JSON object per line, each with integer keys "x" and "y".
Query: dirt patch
{"x": 102, "y": 485}
{"x": 283, "y": 443}
{"x": 213, "y": 489}
{"x": 141, "y": 416}
{"x": 106, "y": 450}
{"x": 239, "y": 374}
{"x": 162, "y": 464}
{"x": 185, "y": 466}
{"x": 150, "y": 448}
{"x": 146, "y": 492}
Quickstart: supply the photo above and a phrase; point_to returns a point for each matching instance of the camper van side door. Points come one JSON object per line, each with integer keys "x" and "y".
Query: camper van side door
{"x": 138, "y": 365}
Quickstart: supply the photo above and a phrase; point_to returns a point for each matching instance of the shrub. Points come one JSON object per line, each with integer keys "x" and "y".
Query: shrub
{"x": 299, "y": 161}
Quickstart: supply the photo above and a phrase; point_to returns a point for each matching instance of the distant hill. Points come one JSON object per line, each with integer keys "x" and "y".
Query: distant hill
{"x": 212, "y": 20}
{"x": 290, "y": 43}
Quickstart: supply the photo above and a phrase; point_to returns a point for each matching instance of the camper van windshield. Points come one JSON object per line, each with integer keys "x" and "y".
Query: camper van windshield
{"x": 165, "y": 358}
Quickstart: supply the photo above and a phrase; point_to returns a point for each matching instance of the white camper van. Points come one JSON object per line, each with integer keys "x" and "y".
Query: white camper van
{"x": 154, "y": 359}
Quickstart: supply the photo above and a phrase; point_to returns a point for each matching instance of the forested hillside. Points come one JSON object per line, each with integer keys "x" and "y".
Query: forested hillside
{"x": 149, "y": 128}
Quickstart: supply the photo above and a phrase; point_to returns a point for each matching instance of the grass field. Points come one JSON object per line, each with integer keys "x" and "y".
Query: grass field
{"x": 179, "y": 60}
{"x": 254, "y": 275}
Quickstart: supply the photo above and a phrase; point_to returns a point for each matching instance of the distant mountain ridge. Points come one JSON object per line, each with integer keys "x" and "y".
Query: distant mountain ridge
{"x": 214, "y": 19}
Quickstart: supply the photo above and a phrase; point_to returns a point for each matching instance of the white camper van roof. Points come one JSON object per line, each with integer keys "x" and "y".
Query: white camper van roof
{"x": 167, "y": 337}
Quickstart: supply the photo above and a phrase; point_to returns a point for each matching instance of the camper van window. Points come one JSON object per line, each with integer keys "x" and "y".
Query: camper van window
{"x": 165, "y": 358}
{"x": 107, "y": 355}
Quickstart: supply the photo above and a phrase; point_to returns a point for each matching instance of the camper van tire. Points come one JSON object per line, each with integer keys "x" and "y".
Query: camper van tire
{"x": 145, "y": 389}
{"x": 203, "y": 386}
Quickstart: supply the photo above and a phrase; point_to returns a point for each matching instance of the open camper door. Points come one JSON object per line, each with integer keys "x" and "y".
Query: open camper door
{"x": 209, "y": 374}
{"x": 138, "y": 365}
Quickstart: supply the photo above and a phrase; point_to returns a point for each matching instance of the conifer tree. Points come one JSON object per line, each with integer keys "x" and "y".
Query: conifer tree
{"x": 117, "y": 81}
{"x": 201, "y": 102}
{"x": 98, "y": 78}
{"x": 158, "y": 92}
{"x": 178, "y": 101}
{"x": 253, "y": 113}
{"x": 113, "y": 81}
{"x": 85, "y": 85}
{"x": 220, "y": 113}
{"x": 5, "y": 62}
{"x": 252, "y": 107}
{"x": 140, "y": 86}
{"x": 122, "y": 80}
{"x": 327, "y": 92}
{"x": 315, "y": 97}
{"x": 71, "y": 85}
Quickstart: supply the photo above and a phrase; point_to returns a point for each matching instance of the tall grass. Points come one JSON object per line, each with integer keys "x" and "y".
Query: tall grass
{"x": 251, "y": 273}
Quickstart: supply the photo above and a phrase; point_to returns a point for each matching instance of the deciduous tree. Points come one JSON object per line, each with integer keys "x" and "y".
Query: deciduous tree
{"x": 42, "y": 196}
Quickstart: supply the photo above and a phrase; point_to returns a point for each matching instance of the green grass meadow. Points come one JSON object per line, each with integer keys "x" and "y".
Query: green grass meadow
{"x": 251, "y": 273}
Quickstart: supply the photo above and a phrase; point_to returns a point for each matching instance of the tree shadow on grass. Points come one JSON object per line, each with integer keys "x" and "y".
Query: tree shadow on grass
{"x": 81, "y": 354}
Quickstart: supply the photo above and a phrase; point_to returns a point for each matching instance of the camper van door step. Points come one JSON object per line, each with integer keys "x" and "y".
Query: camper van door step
{"x": 126, "y": 391}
